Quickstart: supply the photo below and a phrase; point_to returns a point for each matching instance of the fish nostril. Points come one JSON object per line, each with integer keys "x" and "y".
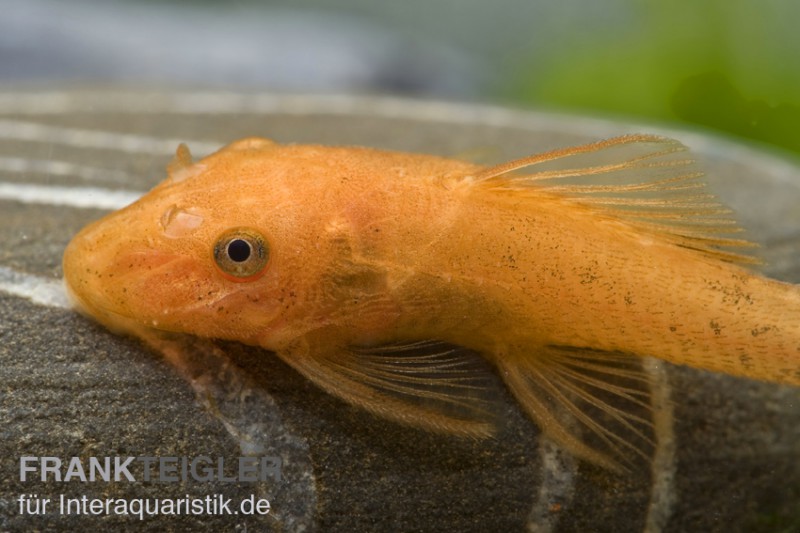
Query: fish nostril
{"x": 179, "y": 222}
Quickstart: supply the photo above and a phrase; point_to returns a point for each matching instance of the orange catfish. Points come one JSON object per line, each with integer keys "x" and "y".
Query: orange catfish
{"x": 382, "y": 276}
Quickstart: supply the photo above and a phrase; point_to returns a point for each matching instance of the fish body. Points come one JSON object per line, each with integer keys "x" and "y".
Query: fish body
{"x": 366, "y": 269}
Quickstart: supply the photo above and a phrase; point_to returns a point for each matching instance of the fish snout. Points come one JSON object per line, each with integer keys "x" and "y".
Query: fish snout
{"x": 95, "y": 278}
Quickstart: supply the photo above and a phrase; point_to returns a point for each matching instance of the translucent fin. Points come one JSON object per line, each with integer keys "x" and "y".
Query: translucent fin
{"x": 428, "y": 384}
{"x": 648, "y": 181}
{"x": 181, "y": 161}
{"x": 182, "y": 167}
{"x": 594, "y": 404}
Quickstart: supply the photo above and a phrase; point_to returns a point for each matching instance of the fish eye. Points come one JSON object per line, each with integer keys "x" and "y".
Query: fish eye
{"x": 242, "y": 254}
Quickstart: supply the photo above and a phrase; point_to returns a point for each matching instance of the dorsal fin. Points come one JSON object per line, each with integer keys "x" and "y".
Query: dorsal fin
{"x": 648, "y": 181}
{"x": 181, "y": 161}
{"x": 182, "y": 166}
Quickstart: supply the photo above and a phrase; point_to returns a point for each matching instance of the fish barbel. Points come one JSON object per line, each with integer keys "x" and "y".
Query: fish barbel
{"x": 379, "y": 275}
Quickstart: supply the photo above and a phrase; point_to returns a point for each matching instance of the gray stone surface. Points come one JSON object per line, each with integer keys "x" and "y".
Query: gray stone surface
{"x": 69, "y": 388}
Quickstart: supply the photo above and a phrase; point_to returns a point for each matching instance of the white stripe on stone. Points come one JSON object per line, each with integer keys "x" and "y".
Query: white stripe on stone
{"x": 20, "y": 165}
{"x": 36, "y": 289}
{"x": 18, "y": 130}
{"x": 81, "y": 197}
{"x": 664, "y": 469}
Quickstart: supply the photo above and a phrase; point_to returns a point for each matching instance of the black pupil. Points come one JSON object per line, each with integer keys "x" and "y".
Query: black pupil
{"x": 239, "y": 250}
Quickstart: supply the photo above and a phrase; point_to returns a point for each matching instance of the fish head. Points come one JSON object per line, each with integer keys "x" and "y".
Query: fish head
{"x": 231, "y": 247}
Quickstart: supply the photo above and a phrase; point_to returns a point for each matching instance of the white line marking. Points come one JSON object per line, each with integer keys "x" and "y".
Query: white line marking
{"x": 60, "y": 168}
{"x": 219, "y": 103}
{"x": 663, "y": 496}
{"x": 39, "y": 290}
{"x": 248, "y": 412}
{"x": 557, "y": 489}
{"x": 250, "y": 415}
{"x": 18, "y": 130}
{"x": 662, "y": 493}
{"x": 82, "y": 197}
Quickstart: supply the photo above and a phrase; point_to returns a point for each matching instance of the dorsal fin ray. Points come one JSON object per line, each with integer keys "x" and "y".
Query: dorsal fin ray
{"x": 648, "y": 181}
{"x": 183, "y": 166}
{"x": 181, "y": 161}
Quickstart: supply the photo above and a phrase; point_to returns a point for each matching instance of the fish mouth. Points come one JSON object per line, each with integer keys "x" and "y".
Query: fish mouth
{"x": 110, "y": 319}
{"x": 88, "y": 266}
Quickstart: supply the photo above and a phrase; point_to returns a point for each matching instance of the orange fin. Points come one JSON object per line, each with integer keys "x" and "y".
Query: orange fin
{"x": 594, "y": 404}
{"x": 181, "y": 161}
{"x": 428, "y": 384}
{"x": 182, "y": 166}
{"x": 648, "y": 181}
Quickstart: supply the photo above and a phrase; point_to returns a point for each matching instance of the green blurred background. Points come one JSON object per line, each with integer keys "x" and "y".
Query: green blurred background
{"x": 729, "y": 65}
{"x": 732, "y": 66}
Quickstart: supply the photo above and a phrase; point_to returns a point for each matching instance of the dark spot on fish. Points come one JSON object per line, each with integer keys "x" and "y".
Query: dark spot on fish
{"x": 511, "y": 261}
{"x": 588, "y": 274}
{"x": 746, "y": 360}
{"x": 730, "y": 295}
{"x": 758, "y": 331}
{"x": 673, "y": 329}
{"x": 716, "y": 327}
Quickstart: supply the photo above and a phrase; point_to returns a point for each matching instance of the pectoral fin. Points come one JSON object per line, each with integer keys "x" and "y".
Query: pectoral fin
{"x": 594, "y": 404}
{"x": 428, "y": 384}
